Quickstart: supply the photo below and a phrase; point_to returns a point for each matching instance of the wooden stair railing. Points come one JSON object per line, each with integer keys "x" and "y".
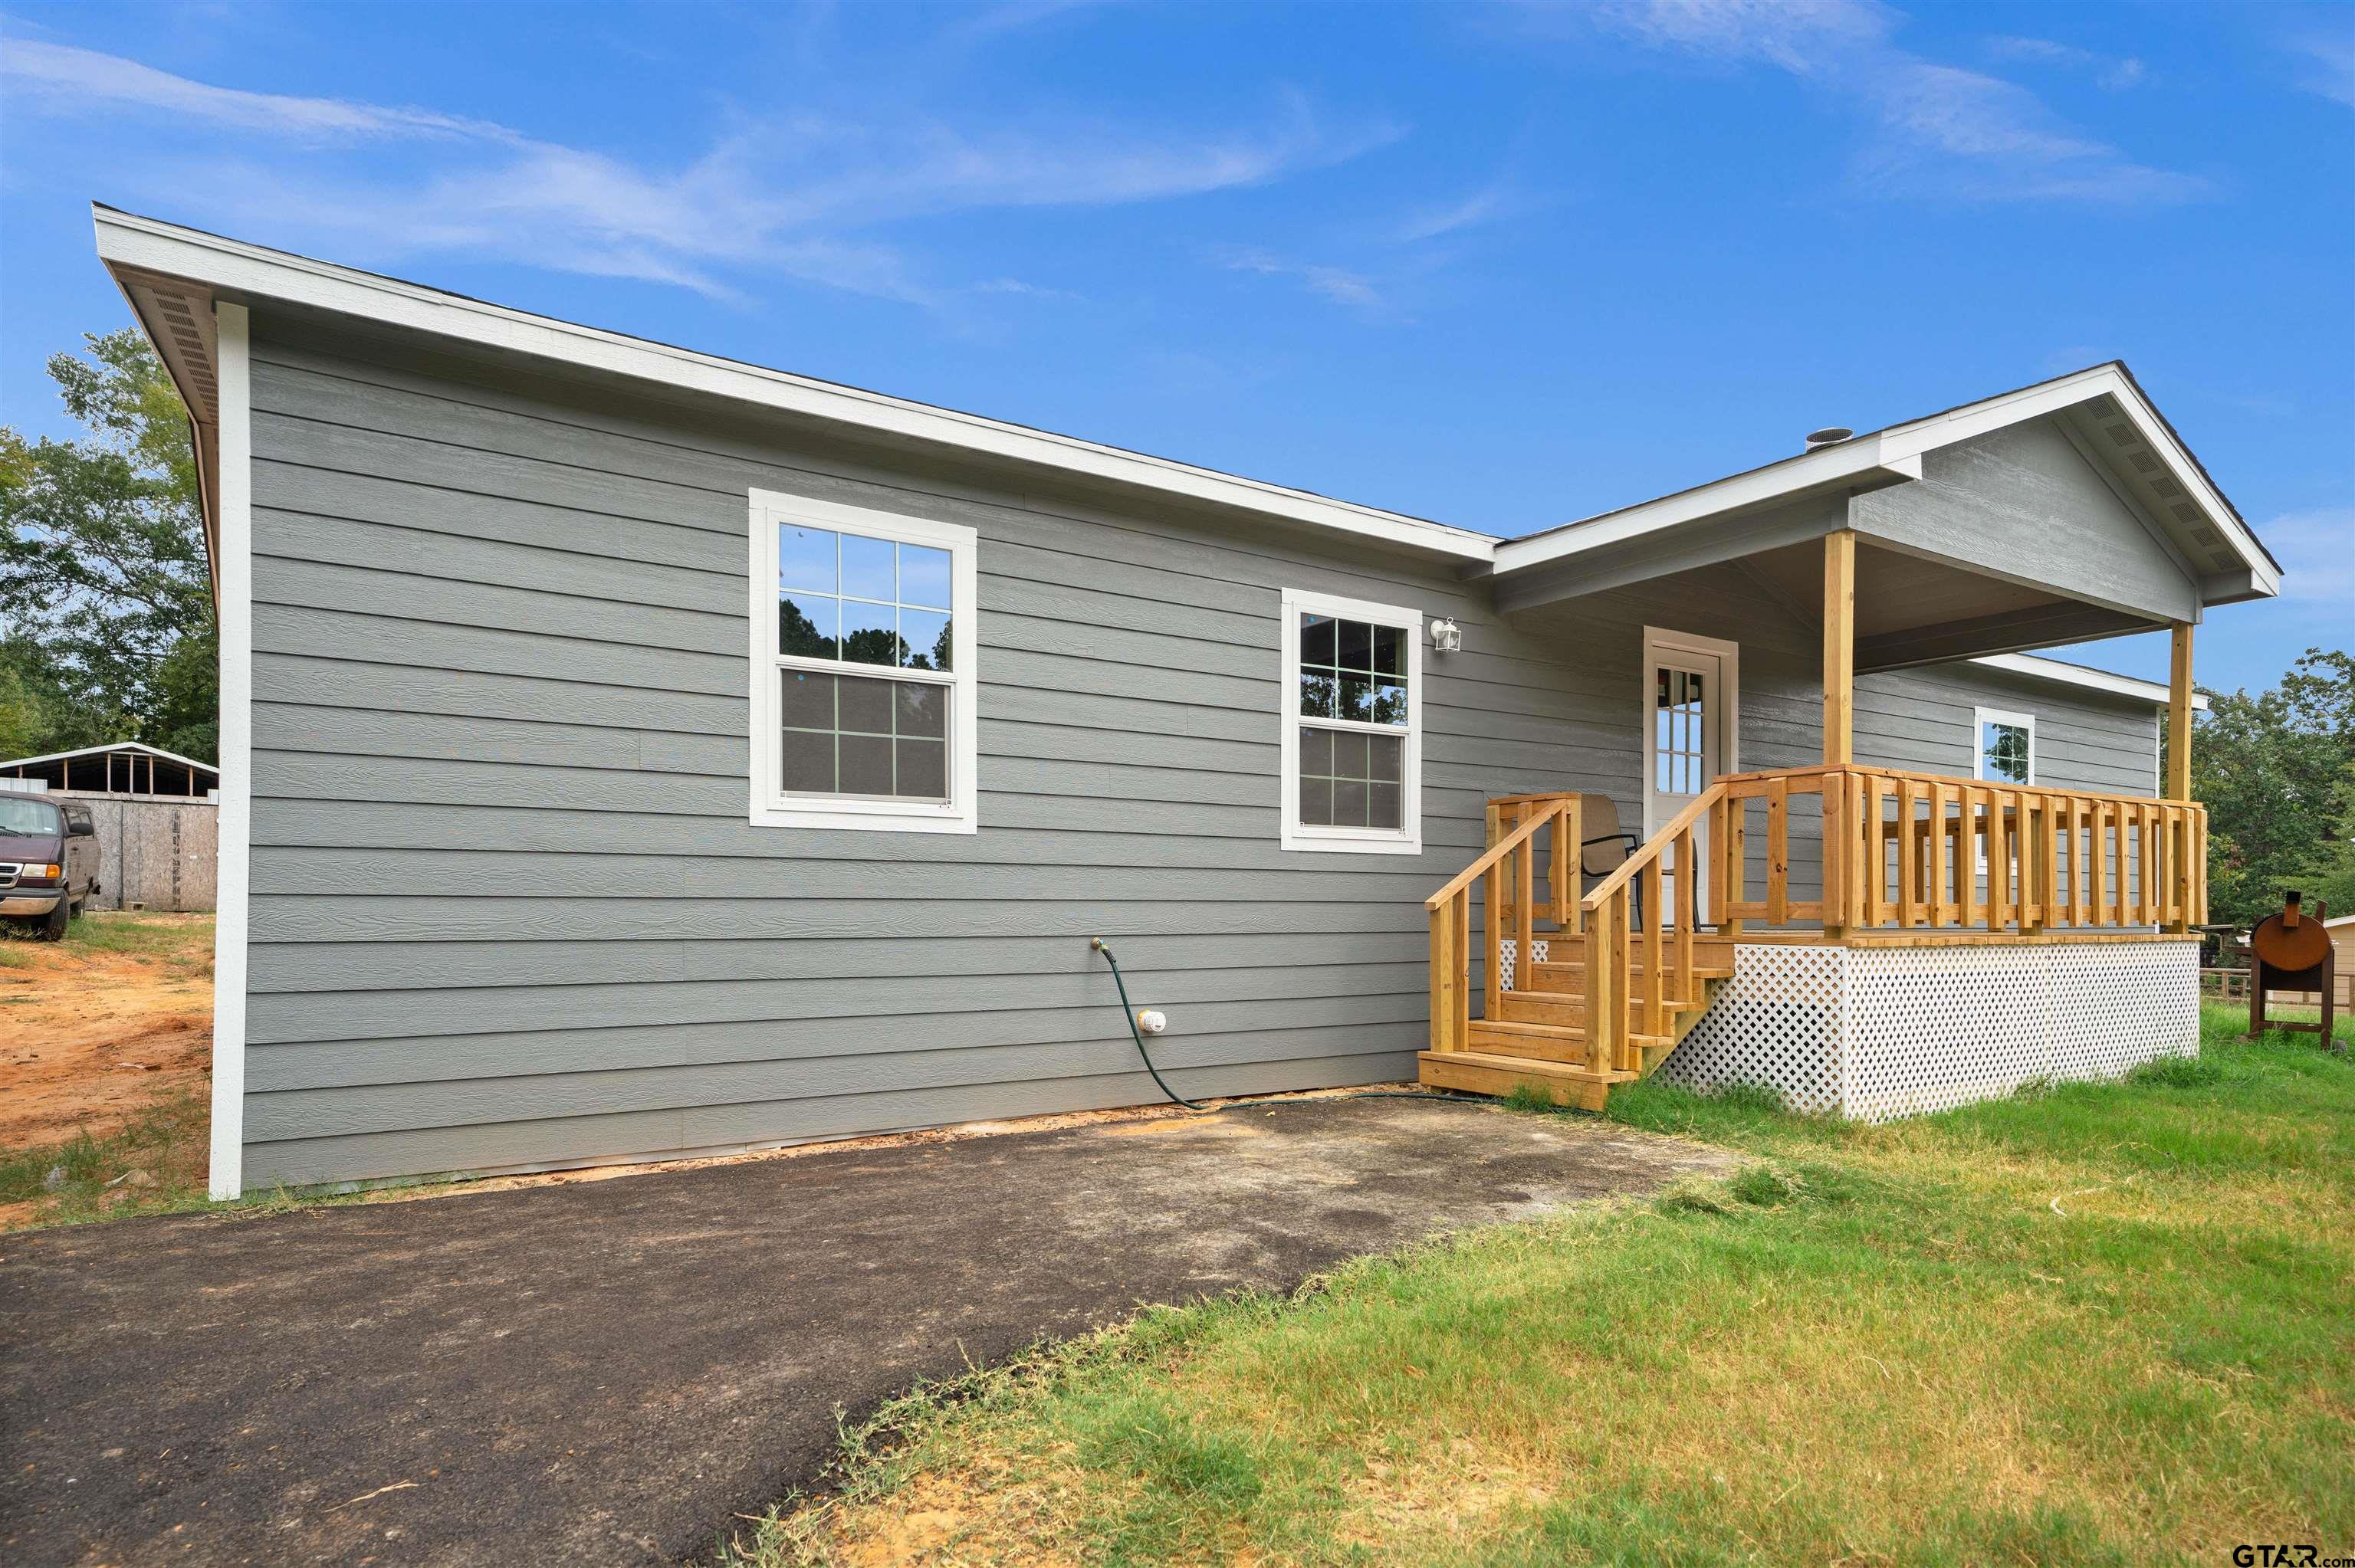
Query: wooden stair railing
{"x": 1572, "y": 1025}
{"x": 1618, "y": 1031}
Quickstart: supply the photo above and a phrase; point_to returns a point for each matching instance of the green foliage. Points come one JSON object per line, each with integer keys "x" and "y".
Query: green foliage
{"x": 23, "y": 718}
{"x": 2276, "y": 770}
{"x": 103, "y": 581}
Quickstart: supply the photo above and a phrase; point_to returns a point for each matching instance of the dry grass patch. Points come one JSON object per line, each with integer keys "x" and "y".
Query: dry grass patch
{"x": 1872, "y": 1345}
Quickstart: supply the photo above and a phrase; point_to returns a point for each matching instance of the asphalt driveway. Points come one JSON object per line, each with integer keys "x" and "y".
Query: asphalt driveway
{"x": 604, "y": 1372}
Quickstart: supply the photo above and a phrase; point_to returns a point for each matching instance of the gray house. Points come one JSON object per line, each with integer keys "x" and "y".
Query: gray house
{"x": 629, "y": 752}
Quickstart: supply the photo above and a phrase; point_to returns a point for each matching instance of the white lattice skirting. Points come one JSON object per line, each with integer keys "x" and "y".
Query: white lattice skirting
{"x": 1872, "y": 1033}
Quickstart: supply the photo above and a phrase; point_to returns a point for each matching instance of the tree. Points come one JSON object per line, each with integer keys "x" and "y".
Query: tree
{"x": 2276, "y": 771}
{"x": 103, "y": 584}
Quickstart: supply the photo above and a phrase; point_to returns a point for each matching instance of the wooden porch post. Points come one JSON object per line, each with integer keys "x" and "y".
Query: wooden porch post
{"x": 2178, "y": 716}
{"x": 1839, "y": 647}
{"x": 2180, "y": 904}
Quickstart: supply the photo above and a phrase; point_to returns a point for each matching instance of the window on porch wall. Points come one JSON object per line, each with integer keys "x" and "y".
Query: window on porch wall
{"x": 2004, "y": 753}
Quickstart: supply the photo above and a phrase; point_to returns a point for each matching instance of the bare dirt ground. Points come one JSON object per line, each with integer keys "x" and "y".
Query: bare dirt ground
{"x": 96, "y": 1029}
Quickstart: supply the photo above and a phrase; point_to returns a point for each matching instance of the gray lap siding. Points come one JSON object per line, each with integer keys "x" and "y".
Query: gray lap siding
{"x": 506, "y": 909}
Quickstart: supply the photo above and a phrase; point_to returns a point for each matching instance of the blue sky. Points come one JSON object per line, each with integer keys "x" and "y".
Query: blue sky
{"x": 1499, "y": 266}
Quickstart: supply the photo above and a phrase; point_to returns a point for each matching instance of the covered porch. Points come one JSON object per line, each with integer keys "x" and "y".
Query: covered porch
{"x": 1866, "y": 938}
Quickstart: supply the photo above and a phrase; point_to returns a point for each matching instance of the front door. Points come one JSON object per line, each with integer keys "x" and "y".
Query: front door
{"x": 1688, "y": 692}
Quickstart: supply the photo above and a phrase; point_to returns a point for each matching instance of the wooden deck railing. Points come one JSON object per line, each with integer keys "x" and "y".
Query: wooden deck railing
{"x": 1919, "y": 852}
{"x": 1900, "y": 852}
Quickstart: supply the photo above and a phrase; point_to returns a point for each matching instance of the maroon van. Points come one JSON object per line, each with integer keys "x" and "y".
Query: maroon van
{"x": 48, "y": 861}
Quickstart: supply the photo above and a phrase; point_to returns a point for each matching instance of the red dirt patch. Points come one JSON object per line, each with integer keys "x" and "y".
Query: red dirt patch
{"x": 92, "y": 1033}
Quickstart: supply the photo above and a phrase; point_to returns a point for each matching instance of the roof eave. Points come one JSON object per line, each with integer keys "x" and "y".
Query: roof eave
{"x": 233, "y": 269}
{"x": 1894, "y": 455}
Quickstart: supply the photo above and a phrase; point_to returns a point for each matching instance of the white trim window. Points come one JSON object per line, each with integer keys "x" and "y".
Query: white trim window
{"x": 1351, "y": 711}
{"x": 2003, "y": 751}
{"x": 2003, "y": 747}
{"x": 862, "y": 669}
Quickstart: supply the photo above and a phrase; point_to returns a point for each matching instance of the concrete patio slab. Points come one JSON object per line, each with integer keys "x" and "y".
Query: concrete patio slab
{"x": 605, "y": 1373}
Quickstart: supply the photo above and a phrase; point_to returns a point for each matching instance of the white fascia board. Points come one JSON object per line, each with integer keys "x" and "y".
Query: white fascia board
{"x": 2078, "y": 676}
{"x": 1835, "y": 465}
{"x": 2016, "y": 408}
{"x": 233, "y": 269}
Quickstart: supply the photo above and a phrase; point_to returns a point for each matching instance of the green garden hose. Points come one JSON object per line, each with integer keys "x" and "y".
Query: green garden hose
{"x": 1177, "y": 1098}
{"x": 1133, "y": 1033}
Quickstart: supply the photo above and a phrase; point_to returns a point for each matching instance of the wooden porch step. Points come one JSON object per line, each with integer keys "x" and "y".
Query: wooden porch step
{"x": 1570, "y": 974}
{"x": 1568, "y": 1008}
{"x": 1482, "y": 1072}
{"x": 1538, "y": 1041}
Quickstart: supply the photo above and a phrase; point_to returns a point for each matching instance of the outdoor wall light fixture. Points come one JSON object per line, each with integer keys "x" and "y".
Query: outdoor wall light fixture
{"x": 1447, "y": 637}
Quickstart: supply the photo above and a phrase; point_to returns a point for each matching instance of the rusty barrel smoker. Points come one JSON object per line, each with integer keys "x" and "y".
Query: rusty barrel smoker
{"x": 2293, "y": 951}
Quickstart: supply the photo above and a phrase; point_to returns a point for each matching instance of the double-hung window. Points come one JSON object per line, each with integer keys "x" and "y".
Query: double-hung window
{"x": 1351, "y": 702}
{"x": 862, "y": 675}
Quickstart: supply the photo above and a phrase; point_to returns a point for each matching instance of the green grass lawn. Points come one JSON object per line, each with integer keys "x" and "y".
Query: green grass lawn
{"x": 2094, "y": 1324}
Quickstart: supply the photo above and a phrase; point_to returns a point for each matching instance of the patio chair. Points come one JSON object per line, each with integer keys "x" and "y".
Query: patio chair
{"x": 1606, "y": 846}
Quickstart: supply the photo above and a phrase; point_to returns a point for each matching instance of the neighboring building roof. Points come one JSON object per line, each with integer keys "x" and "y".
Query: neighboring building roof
{"x": 116, "y": 749}
{"x": 2069, "y": 674}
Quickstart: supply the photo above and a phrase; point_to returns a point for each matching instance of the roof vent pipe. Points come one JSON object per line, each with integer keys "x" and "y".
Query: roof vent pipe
{"x": 1829, "y": 436}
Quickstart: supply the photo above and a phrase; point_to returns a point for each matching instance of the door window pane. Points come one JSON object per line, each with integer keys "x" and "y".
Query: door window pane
{"x": 1679, "y": 732}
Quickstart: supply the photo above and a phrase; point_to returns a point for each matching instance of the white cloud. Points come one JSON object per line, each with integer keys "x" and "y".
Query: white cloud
{"x": 63, "y": 79}
{"x": 2110, "y": 73}
{"x": 798, "y": 195}
{"x": 1486, "y": 204}
{"x": 2328, "y": 64}
{"x": 1335, "y": 283}
{"x": 1939, "y": 130}
{"x": 2317, "y": 552}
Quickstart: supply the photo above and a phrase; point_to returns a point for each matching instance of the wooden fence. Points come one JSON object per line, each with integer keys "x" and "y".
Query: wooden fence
{"x": 155, "y": 851}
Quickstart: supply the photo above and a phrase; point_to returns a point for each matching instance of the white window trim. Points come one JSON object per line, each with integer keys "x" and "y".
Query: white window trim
{"x": 961, "y": 813}
{"x": 1407, "y": 838}
{"x": 1980, "y": 719}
